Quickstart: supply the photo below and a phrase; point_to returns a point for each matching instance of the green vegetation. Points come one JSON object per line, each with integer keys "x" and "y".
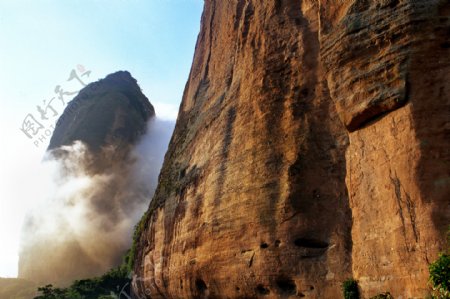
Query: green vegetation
{"x": 440, "y": 274}
{"x": 138, "y": 229}
{"x": 386, "y": 295}
{"x": 109, "y": 285}
{"x": 440, "y": 277}
{"x": 350, "y": 289}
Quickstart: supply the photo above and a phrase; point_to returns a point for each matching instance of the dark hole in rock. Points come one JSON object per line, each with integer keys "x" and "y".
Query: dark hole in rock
{"x": 310, "y": 243}
{"x": 316, "y": 193}
{"x": 445, "y": 45}
{"x": 304, "y": 92}
{"x": 301, "y": 295}
{"x": 286, "y": 286}
{"x": 200, "y": 285}
{"x": 277, "y": 243}
{"x": 260, "y": 289}
{"x": 238, "y": 289}
{"x": 393, "y": 3}
{"x": 264, "y": 245}
{"x": 183, "y": 173}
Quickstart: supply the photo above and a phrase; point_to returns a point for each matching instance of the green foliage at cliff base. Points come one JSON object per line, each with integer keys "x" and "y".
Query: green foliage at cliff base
{"x": 109, "y": 285}
{"x": 350, "y": 289}
{"x": 440, "y": 277}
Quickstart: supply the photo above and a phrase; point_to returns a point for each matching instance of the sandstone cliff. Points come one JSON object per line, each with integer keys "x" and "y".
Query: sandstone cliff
{"x": 82, "y": 228}
{"x": 311, "y": 146}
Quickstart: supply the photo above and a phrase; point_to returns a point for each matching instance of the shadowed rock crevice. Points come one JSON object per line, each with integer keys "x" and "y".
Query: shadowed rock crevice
{"x": 226, "y": 143}
{"x": 310, "y": 243}
{"x": 430, "y": 94}
{"x": 286, "y": 286}
{"x": 200, "y": 286}
{"x": 262, "y": 290}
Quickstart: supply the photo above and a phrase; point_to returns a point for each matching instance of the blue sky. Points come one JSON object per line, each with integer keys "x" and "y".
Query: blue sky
{"x": 41, "y": 41}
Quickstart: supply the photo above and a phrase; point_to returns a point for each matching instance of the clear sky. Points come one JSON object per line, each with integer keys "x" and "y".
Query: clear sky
{"x": 42, "y": 41}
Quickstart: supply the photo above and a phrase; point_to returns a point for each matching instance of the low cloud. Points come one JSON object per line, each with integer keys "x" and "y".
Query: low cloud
{"x": 82, "y": 222}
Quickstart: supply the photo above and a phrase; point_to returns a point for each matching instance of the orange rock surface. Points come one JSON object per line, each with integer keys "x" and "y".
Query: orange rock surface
{"x": 312, "y": 145}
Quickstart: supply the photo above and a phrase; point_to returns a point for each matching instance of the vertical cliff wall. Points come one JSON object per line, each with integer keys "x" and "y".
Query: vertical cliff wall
{"x": 311, "y": 146}
{"x": 388, "y": 69}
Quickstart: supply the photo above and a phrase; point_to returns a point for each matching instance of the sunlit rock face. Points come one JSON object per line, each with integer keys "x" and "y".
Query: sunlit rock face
{"x": 311, "y": 147}
{"x": 83, "y": 224}
{"x": 388, "y": 72}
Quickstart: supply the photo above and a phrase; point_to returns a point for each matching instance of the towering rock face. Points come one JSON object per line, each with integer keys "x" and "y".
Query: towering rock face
{"x": 82, "y": 229}
{"x": 311, "y": 146}
{"x": 388, "y": 70}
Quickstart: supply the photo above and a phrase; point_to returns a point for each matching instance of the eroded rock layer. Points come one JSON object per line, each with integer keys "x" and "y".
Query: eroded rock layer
{"x": 311, "y": 146}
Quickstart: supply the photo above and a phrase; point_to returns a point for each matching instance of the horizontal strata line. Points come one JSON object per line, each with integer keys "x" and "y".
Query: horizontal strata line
{"x": 329, "y": 46}
{"x": 329, "y": 41}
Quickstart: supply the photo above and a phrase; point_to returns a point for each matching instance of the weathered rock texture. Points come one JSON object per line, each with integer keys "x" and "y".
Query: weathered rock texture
{"x": 85, "y": 233}
{"x": 311, "y": 146}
